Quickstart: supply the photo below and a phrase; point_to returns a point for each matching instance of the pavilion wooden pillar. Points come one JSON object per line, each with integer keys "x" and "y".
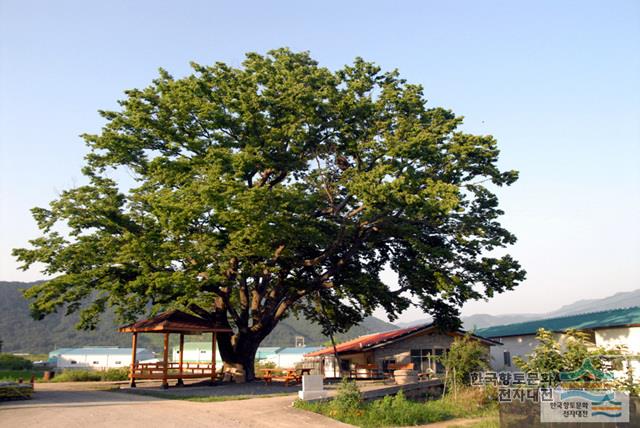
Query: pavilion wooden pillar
{"x": 165, "y": 359}
{"x": 134, "y": 345}
{"x": 181, "y": 356}
{"x": 213, "y": 357}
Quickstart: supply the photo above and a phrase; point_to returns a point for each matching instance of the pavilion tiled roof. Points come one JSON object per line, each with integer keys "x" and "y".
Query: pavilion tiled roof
{"x": 373, "y": 340}
{"x": 174, "y": 321}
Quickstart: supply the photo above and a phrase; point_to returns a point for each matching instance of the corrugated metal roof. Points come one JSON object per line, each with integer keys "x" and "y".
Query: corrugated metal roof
{"x": 174, "y": 321}
{"x": 269, "y": 349}
{"x": 587, "y": 321}
{"x": 262, "y": 352}
{"x": 58, "y": 351}
{"x": 368, "y": 340}
{"x": 299, "y": 350}
{"x": 372, "y": 340}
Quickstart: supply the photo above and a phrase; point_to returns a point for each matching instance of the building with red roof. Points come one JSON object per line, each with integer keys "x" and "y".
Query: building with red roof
{"x": 418, "y": 347}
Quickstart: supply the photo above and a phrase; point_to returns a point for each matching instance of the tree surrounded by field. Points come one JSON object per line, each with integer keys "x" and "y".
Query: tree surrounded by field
{"x": 273, "y": 188}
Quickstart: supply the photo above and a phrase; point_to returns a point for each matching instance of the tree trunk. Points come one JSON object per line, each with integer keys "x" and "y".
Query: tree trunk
{"x": 248, "y": 358}
{"x": 241, "y": 346}
{"x": 240, "y": 349}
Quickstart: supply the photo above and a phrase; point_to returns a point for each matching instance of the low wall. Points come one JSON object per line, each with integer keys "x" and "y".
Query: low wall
{"x": 418, "y": 390}
{"x": 411, "y": 390}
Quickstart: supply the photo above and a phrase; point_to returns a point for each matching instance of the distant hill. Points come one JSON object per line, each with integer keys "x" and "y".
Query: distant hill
{"x": 619, "y": 300}
{"x": 477, "y": 321}
{"x": 284, "y": 333}
{"x": 21, "y": 333}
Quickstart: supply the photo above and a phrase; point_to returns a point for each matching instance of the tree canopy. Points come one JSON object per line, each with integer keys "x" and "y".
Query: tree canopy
{"x": 273, "y": 187}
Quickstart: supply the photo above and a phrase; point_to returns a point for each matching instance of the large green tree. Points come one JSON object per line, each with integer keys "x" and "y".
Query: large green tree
{"x": 274, "y": 187}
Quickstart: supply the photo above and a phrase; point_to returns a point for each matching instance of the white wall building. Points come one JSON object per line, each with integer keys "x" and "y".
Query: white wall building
{"x": 608, "y": 329}
{"x": 289, "y": 357}
{"x": 281, "y": 357}
{"x": 100, "y": 358}
{"x": 195, "y": 352}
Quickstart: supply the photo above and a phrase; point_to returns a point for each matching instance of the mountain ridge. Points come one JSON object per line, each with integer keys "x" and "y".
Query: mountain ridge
{"x": 618, "y": 300}
{"x": 21, "y": 333}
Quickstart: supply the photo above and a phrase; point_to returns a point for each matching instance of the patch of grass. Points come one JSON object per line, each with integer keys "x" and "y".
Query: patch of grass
{"x": 15, "y": 375}
{"x": 398, "y": 411}
{"x": 109, "y": 375}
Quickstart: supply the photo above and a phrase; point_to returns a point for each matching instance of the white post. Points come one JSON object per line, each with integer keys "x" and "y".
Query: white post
{"x": 312, "y": 387}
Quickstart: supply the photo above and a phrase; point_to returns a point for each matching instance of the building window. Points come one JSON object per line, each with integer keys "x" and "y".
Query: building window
{"x": 421, "y": 359}
{"x": 428, "y": 359}
{"x": 507, "y": 358}
{"x": 203, "y": 351}
{"x": 386, "y": 363}
{"x": 118, "y": 362}
{"x": 96, "y": 362}
{"x": 73, "y": 362}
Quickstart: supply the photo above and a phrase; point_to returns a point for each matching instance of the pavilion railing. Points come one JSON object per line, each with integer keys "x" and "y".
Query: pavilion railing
{"x": 157, "y": 370}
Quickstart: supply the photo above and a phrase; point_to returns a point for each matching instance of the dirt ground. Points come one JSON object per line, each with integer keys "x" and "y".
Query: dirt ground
{"x": 86, "y": 406}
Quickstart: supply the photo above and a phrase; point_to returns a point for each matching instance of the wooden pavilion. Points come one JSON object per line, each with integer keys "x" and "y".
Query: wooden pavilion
{"x": 179, "y": 322}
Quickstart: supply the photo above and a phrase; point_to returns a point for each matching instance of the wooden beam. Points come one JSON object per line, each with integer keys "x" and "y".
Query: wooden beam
{"x": 213, "y": 357}
{"x": 181, "y": 356}
{"x": 134, "y": 346}
{"x": 165, "y": 360}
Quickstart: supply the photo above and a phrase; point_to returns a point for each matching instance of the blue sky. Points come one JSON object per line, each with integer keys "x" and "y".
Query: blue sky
{"x": 557, "y": 83}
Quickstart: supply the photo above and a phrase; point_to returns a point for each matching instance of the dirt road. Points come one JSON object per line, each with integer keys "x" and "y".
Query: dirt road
{"x": 93, "y": 409}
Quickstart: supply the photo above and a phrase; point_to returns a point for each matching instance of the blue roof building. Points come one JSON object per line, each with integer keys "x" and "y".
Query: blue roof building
{"x": 289, "y": 357}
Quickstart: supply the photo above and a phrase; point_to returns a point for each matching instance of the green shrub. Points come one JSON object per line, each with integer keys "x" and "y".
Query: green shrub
{"x": 263, "y": 364}
{"x": 14, "y": 362}
{"x": 399, "y": 411}
{"x": 468, "y": 402}
{"x": 466, "y": 355}
{"x": 77, "y": 376}
{"x": 109, "y": 375}
{"x": 348, "y": 397}
{"x": 550, "y": 357}
{"x": 112, "y": 375}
